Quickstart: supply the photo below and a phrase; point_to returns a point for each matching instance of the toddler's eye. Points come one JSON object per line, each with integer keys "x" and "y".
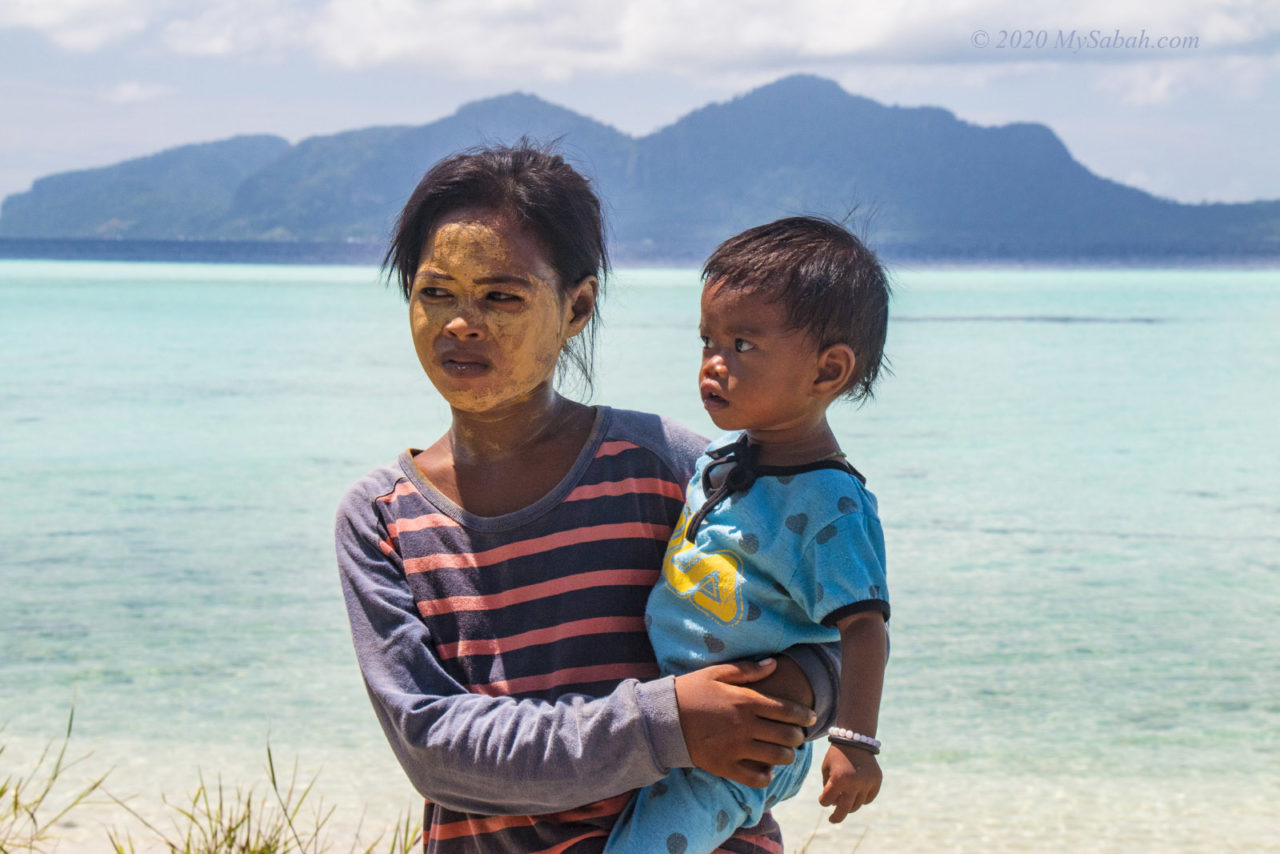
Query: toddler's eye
{"x": 706, "y": 342}
{"x": 742, "y": 345}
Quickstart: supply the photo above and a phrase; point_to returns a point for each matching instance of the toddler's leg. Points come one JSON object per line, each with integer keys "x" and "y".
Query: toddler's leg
{"x": 692, "y": 812}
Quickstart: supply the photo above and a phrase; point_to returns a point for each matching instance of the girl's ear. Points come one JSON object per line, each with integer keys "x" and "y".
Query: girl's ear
{"x": 835, "y": 370}
{"x": 581, "y": 303}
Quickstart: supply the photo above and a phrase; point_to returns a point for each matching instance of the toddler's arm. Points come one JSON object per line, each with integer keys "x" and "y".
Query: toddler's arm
{"x": 851, "y": 776}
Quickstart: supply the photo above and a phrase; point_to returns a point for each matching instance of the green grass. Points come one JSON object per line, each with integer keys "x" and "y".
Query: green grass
{"x": 212, "y": 821}
{"x": 282, "y": 817}
{"x": 804, "y": 846}
{"x": 32, "y": 803}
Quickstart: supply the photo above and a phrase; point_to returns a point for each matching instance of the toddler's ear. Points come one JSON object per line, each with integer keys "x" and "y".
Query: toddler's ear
{"x": 835, "y": 370}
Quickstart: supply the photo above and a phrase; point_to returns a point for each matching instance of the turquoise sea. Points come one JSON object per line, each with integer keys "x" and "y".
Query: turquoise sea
{"x": 1078, "y": 472}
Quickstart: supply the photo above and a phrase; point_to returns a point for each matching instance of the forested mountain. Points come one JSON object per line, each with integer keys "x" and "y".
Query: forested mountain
{"x": 179, "y": 192}
{"x": 930, "y": 184}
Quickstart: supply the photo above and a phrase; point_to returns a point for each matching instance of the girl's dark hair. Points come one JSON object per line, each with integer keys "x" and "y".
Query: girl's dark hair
{"x": 831, "y": 286}
{"x": 544, "y": 194}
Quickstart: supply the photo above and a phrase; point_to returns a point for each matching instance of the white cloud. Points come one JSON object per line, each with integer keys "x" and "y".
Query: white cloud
{"x": 1245, "y": 77}
{"x": 556, "y": 40}
{"x": 132, "y": 92}
{"x": 1163, "y": 83}
{"x": 873, "y": 76}
{"x": 80, "y": 25}
{"x": 1145, "y": 85}
{"x": 476, "y": 39}
{"x": 230, "y": 27}
{"x": 656, "y": 59}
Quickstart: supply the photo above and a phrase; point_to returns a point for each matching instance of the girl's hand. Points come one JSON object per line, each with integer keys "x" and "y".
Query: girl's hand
{"x": 734, "y": 731}
{"x": 850, "y": 779}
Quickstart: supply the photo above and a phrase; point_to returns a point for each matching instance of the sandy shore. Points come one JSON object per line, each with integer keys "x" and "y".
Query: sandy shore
{"x": 920, "y": 809}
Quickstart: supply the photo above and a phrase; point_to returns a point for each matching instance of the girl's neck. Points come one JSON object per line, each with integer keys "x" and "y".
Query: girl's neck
{"x": 480, "y": 437}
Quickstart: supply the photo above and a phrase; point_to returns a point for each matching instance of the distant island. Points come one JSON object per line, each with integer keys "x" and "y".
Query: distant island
{"x": 925, "y": 185}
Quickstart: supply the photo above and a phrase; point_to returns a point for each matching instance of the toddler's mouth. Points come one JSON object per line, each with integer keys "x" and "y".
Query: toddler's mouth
{"x": 711, "y": 400}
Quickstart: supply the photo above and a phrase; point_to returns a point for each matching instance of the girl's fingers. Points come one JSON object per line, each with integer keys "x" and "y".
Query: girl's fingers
{"x": 754, "y": 774}
{"x": 742, "y": 672}
{"x": 783, "y": 711}
{"x": 773, "y": 732}
{"x": 769, "y": 754}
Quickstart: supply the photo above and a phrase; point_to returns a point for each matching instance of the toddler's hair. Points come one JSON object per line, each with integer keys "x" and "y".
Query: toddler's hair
{"x": 541, "y": 191}
{"x": 831, "y": 286}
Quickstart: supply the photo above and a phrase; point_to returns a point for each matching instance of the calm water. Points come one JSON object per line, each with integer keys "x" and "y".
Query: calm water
{"x": 1079, "y": 474}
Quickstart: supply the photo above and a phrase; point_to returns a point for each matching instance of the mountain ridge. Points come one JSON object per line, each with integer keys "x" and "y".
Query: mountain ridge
{"x": 940, "y": 186}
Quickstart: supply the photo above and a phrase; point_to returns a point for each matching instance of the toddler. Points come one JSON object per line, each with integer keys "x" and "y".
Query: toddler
{"x": 779, "y": 542}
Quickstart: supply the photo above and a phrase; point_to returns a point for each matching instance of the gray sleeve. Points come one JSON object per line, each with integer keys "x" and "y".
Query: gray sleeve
{"x": 821, "y": 665}
{"x": 493, "y": 755}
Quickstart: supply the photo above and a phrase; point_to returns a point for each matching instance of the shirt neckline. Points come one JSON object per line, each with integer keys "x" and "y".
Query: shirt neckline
{"x": 840, "y": 463}
{"x": 524, "y": 515}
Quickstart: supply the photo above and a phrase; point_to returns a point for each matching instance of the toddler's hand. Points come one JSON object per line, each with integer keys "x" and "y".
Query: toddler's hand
{"x": 850, "y": 778}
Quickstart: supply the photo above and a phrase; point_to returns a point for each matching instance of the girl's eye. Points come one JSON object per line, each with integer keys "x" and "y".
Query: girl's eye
{"x": 742, "y": 345}
{"x": 433, "y": 293}
{"x": 501, "y": 296}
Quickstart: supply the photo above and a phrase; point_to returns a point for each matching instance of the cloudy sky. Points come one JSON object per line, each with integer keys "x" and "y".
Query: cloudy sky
{"x": 1191, "y": 113}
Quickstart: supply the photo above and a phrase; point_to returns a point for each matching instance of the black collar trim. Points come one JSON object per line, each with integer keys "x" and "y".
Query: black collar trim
{"x": 743, "y": 455}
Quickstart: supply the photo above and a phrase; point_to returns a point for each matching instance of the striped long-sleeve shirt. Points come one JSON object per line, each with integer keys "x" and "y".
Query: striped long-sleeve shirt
{"x": 483, "y": 641}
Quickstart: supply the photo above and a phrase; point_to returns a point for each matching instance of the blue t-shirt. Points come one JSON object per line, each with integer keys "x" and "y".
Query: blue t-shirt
{"x": 776, "y": 565}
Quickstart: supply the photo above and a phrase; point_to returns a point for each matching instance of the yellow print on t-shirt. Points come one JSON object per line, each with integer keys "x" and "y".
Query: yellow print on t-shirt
{"x": 709, "y": 580}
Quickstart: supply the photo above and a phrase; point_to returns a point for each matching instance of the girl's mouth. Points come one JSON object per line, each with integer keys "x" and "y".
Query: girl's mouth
{"x": 464, "y": 367}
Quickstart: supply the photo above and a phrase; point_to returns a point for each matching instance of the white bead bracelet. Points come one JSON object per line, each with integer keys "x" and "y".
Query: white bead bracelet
{"x": 849, "y": 738}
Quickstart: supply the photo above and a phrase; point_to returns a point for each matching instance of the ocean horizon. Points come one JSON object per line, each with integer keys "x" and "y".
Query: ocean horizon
{"x": 365, "y": 253}
{"x": 1076, "y": 470}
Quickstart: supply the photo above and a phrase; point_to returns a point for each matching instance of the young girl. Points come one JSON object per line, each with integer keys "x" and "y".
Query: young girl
{"x": 496, "y": 580}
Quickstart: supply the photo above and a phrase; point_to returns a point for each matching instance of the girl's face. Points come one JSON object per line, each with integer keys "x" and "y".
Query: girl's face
{"x": 488, "y": 315}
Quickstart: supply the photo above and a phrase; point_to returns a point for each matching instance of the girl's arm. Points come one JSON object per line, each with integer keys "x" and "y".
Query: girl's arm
{"x": 500, "y": 755}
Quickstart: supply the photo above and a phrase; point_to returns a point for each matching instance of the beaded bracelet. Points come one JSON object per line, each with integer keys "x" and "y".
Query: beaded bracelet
{"x": 849, "y": 738}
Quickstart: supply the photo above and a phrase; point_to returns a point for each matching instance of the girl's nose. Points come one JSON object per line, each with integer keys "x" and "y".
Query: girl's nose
{"x": 463, "y": 327}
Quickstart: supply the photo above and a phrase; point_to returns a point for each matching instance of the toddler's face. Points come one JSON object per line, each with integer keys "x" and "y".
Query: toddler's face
{"x": 757, "y": 372}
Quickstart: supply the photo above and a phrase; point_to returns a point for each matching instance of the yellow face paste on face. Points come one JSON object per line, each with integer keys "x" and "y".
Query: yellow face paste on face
{"x": 488, "y": 316}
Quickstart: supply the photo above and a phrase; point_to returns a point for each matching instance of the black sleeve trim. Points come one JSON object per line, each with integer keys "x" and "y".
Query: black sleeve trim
{"x": 856, "y": 608}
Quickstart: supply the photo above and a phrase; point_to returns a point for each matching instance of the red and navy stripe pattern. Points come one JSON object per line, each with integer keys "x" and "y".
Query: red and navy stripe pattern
{"x": 553, "y": 606}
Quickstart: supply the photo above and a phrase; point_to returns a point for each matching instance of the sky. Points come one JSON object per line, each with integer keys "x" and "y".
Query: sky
{"x": 1180, "y": 99}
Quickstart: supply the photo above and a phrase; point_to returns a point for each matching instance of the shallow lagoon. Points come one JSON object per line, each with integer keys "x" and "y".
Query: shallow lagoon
{"x": 1078, "y": 472}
